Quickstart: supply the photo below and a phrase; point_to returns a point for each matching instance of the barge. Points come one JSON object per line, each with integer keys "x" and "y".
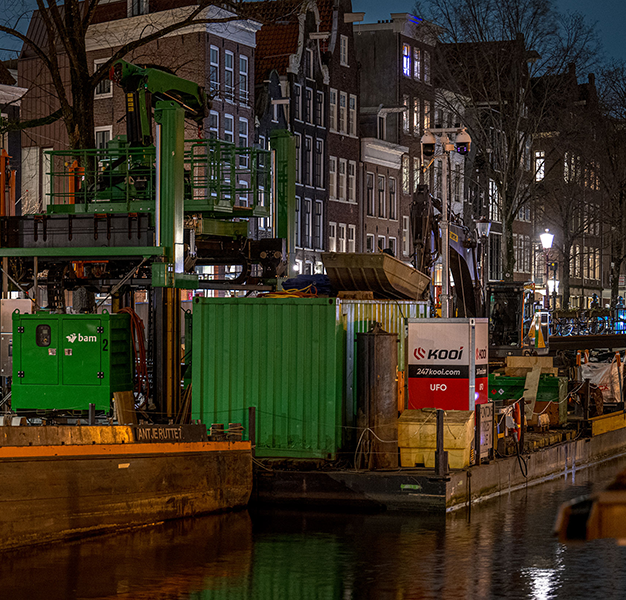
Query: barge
{"x": 64, "y": 482}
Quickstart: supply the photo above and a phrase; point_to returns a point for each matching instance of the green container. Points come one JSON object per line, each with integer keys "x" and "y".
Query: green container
{"x": 551, "y": 389}
{"x": 66, "y": 362}
{"x": 284, "y": 356}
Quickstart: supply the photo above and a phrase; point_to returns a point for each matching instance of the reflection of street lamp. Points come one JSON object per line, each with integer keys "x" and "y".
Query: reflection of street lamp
{"x": 483, "y": 227}
{"x": 462, "y": 146}
{"x": 546, "y": 241}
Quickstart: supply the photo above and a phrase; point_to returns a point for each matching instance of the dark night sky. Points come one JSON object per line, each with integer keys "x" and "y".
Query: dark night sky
{"x": 609, "y": 15}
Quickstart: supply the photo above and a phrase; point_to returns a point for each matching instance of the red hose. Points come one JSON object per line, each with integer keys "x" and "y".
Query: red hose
{"x": 142, "y": 383}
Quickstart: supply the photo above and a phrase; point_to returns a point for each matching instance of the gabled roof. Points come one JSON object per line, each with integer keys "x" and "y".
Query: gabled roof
{"x": 278, "y": 38}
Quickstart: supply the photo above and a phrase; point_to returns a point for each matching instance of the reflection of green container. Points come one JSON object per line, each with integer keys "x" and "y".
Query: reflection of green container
{"x": 551, "y": 389}
{"x": 66, "y": 362}
{"x": 284, "y": 356}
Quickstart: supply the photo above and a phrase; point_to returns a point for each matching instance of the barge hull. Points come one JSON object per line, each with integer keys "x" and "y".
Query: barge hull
{"x": 52, "y": 493}
{"x": 420, "y": 490}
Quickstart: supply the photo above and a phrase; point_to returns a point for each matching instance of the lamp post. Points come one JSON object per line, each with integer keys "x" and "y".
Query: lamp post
{"x": 462, "y": 146}
{"x": 546, "y": 241}
{"x": 483, "y": 228}
{"x": 554, "y": 285}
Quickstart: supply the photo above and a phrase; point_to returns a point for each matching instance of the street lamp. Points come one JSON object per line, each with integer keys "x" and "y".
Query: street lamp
{"x": 462, "y": 146}
{"x": 483, "y": 227}
{"x": 546, "y": 241}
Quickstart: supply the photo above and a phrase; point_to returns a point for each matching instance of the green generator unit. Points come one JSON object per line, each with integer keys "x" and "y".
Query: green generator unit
{"x": 67, "y": 362}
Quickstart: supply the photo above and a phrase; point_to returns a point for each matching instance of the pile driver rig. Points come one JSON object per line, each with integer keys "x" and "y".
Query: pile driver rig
{"x": 142, "y": 213}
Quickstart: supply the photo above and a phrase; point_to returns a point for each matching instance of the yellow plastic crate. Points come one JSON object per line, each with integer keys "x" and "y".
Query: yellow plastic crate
{"x": 457, "y": 459}
{"x": 418, "y": 429}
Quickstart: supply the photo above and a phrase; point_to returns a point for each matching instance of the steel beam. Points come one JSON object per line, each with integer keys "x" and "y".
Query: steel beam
{"x": 77, "y": 253}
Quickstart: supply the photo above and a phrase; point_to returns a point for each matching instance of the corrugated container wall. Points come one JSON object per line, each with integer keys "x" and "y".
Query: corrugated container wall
{"x": 285, "y": 356}
{"x": 357, "y": 317}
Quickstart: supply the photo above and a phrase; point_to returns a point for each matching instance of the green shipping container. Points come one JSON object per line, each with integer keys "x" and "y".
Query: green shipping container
{"x": 284, "y": 356}
{"x": 66, "y": 362}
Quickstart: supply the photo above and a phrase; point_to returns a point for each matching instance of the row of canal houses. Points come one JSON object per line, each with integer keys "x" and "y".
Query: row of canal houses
{"x": 356, "y": 96}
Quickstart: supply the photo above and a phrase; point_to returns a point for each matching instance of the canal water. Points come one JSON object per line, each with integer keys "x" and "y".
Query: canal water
{"x": 504, "y": 548}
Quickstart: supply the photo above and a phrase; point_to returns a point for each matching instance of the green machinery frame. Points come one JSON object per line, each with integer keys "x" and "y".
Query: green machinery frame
{"x": 213, "y": 180}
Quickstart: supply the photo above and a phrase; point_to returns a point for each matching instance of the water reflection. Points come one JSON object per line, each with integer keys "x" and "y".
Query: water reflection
{"x": 505, "y": 549}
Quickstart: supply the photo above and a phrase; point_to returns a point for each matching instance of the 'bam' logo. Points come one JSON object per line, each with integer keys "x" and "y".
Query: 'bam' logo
{"x": 81, "y": 338}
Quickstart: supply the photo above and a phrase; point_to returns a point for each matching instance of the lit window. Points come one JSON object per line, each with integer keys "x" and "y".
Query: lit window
{"x": 332, "y": 237}
{"x": 426, "y": 115}
{"x": 341, "y": 238}
{"x": 416, "y": 116}
{"x": 405, "y": 114}
{"x": 405, "y": 236}
{"x": 406, "y": 60}
{"x": 351, "y": 238}
{"x": 416, "y": 172}
{"x": 540, "y": 165}
{"x": 416, "y": 64}
{"x": 406, "y": 174}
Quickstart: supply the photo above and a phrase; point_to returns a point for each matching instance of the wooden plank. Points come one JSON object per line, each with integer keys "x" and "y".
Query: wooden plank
{"x": 531, "y": 386}
{"x": 124, "y": 403}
